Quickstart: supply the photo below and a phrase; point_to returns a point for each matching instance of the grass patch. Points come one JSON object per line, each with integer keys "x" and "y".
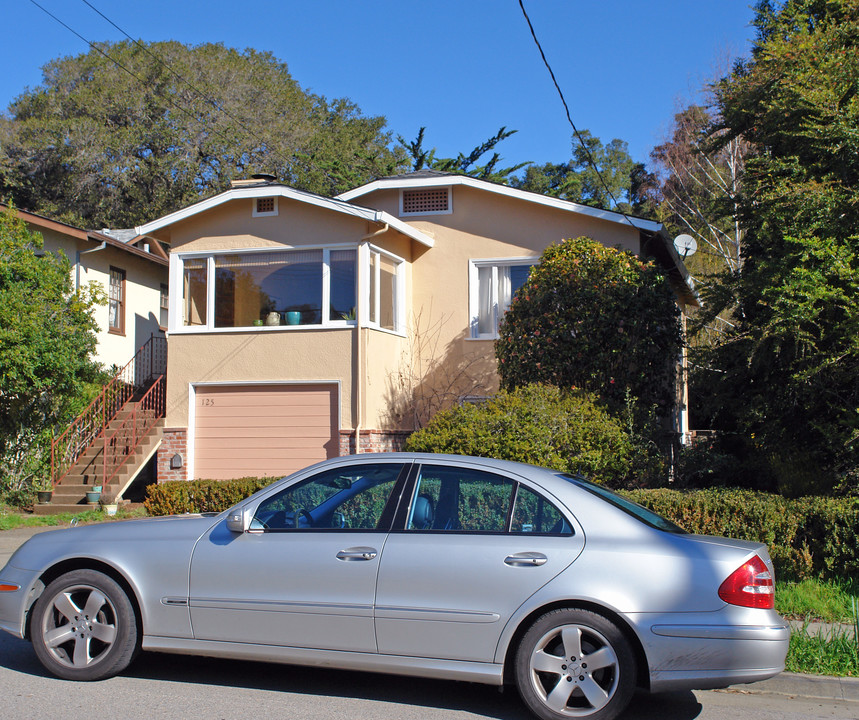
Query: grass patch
{"x": 11, "y": 518}
{"x": 835, "y": 653}
{"x": 827, "y": 600}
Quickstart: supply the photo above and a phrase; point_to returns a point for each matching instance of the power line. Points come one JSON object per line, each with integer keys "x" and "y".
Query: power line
{"x": 212, "y": 101}
{"x": 569, "y": 117}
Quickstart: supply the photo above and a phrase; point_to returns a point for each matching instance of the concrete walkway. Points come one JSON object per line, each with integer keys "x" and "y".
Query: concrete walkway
{"x": 811, "y": 686}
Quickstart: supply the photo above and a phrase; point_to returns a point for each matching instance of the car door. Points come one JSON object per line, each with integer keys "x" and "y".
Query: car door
{"x": 474, "y": 547}
{"x": 304, "y": 575}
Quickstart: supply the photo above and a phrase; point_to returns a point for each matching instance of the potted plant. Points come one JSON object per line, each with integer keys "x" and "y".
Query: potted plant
{"x": 44, "y": 490}
{"x": 93, "y": 495}
{"x": 108, "y": 504}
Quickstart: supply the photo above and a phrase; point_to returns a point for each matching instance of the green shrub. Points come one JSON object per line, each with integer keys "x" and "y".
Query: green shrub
{"x": 807, "y": 537}
{"x": 195, "y": 496}
{"x": 537, "y": 424}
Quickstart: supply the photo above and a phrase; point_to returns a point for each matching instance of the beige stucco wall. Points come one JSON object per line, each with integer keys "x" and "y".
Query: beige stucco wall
{"x": 288, "y": 355}
{"x": 483, "y": 225}
{"x": 143, "y": 279}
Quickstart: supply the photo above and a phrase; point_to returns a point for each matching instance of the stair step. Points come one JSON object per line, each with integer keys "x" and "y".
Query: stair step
{"x": 53, "y": 508}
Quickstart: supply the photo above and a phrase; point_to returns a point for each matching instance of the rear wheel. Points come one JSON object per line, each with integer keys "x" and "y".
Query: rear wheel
{"x": 84, "y": 627}
{"x": 575, "y": 664}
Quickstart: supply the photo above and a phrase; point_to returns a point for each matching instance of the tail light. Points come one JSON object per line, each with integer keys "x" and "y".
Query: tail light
{"x": 750, "y": 585}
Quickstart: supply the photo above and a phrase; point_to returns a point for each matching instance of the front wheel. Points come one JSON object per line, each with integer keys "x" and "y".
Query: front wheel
{"x": 84, "y": 627}
{"x": 575, "y": 664}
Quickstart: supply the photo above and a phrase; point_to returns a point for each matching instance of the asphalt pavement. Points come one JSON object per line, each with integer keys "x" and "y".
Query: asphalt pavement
{"x": 818, "y": 687}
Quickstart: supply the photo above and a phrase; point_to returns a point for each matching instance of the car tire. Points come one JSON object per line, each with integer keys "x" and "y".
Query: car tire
{"x": 575, "y": 664}
{"x": 84, "y": 627}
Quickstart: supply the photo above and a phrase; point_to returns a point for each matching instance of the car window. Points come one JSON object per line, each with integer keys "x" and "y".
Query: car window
{"x": 533, "y": 513}
{"x": 347, "y": 498}
{"x": 641, "y": 513}
{"x": 460, "y": 500}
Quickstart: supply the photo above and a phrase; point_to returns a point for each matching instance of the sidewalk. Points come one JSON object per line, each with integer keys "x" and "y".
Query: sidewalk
{"x": 820, "y": 687}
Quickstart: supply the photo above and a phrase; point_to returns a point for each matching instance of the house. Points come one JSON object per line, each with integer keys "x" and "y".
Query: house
{"x": 303, "y": 327}
{"x": 133, "y": 278}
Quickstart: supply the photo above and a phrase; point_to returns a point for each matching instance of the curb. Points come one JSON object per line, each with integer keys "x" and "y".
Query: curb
{"x": 819, "y": 687}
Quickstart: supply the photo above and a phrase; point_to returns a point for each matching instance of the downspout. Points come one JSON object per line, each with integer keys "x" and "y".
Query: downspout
{"x": 359, "y": 379}
{"x": 78, "y": 262}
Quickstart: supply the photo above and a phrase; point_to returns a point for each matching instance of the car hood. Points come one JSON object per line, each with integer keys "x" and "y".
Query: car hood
{"x": 95, "y": 540}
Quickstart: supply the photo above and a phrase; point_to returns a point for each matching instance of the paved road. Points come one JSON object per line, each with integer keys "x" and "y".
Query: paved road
{"x": 167, "y": 686}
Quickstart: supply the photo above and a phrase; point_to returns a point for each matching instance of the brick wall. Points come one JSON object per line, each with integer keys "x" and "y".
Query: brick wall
{"x": 173, "y": 442}
{"x": 373, "y": 441}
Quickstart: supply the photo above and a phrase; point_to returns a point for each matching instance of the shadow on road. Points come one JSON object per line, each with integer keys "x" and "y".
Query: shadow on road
{"x": 481, "y": 700}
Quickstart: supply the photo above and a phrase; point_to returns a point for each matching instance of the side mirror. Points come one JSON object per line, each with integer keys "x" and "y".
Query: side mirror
{"x": 238, "y": 520}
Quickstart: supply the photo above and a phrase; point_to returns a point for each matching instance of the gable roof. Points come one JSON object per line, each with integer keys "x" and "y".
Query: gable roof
{"x": 80, "y": 234}
{"x": 434, "y": 178}
{"x": 272, "y": 189}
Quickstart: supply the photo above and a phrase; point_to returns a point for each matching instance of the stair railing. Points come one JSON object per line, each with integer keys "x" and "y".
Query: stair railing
{"x": 147, "y": 366}
{"x": 120, "y": 444}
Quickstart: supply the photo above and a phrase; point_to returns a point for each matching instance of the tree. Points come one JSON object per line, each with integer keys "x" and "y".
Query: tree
{"x": 47, "y": 336}
{"x": 700, "y": 188}
{"x": 785, "y": 378}
{"x": 593, "y": 318}
{"x": 462, "y": 164}
{"x": 131, "y": 130}
{"x": 597, "y": 175}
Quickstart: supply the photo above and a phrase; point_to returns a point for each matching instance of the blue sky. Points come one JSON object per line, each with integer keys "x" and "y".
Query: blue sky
{"x": 462, "y": 68}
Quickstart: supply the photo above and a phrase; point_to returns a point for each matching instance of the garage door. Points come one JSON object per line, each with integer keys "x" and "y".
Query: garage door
{"x": 263, "y": 430}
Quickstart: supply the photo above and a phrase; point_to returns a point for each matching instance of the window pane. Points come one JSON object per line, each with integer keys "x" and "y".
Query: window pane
{"x": 455, "y": 499}
{"x": 387, "y": 293}
{"x": 533, "y": 513}
{"x": 374, "y": 263}
{"x": 279, "y": 288}
{"x": 342, "y": 273}
{"x": 194, "y": 291}
{"x": 344, "y": 498}
{"x": 486, "y": 304}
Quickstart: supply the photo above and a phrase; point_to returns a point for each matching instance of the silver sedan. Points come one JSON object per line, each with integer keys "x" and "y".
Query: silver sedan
{"x": 426, "y": 565}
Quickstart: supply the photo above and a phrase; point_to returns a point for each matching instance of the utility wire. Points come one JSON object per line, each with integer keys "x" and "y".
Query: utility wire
{"x": 169, "y": 100}
{"x": 208, "y": 98}
{"x": 569, "y": 117}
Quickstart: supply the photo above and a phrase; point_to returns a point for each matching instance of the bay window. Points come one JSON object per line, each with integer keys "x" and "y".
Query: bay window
{"x": 272, "y": 288}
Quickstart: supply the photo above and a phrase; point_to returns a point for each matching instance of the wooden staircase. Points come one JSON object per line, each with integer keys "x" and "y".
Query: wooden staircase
{"x": 70, "y": 493}
{"x": 108, "y": 443}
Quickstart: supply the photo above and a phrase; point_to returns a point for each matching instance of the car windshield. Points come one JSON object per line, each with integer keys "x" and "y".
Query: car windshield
{"x": 648, "y": 517}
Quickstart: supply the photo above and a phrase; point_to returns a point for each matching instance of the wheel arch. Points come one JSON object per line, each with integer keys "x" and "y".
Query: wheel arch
{"x": 642, "y": 667}
{"x": 64, "y": 566}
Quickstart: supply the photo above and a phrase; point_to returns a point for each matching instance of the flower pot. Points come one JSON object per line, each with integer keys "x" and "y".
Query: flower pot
{"x": 110, "y": 508}
{"x": 92, "y": 498}
{"x": 44, "y": 496}
{"x": 293, "y": 317}
{"x": 273, "y": 318}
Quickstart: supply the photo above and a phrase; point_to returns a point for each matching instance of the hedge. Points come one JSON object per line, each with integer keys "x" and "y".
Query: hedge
{"x": 196, "y": 496}
{"x": 807, "y": 537}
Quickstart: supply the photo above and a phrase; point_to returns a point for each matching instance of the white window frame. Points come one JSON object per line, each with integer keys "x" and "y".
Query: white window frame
{"x": 365, "y": 253}
{"x": 474, "y": 266}
{"x": 449, "y": 210}
{"x": 176, "y": 314}
{"x": 264, "y": 214}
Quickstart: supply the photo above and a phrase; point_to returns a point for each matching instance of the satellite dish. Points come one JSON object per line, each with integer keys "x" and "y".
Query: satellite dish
{"x": 685, "y": 245}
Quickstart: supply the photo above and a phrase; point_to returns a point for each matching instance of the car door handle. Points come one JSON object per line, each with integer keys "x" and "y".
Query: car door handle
{"x": 525, "y": 559}
{"x": 357, "y": 553}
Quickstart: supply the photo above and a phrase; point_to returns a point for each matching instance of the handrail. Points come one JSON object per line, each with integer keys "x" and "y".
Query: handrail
{"x": 147, "y": 365}
{"x": 124, "y": 440}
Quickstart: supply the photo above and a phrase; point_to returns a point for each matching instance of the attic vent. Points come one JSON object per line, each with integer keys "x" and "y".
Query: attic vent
{"x": 426, "y": 201}
{"x": 265, "y": 206}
